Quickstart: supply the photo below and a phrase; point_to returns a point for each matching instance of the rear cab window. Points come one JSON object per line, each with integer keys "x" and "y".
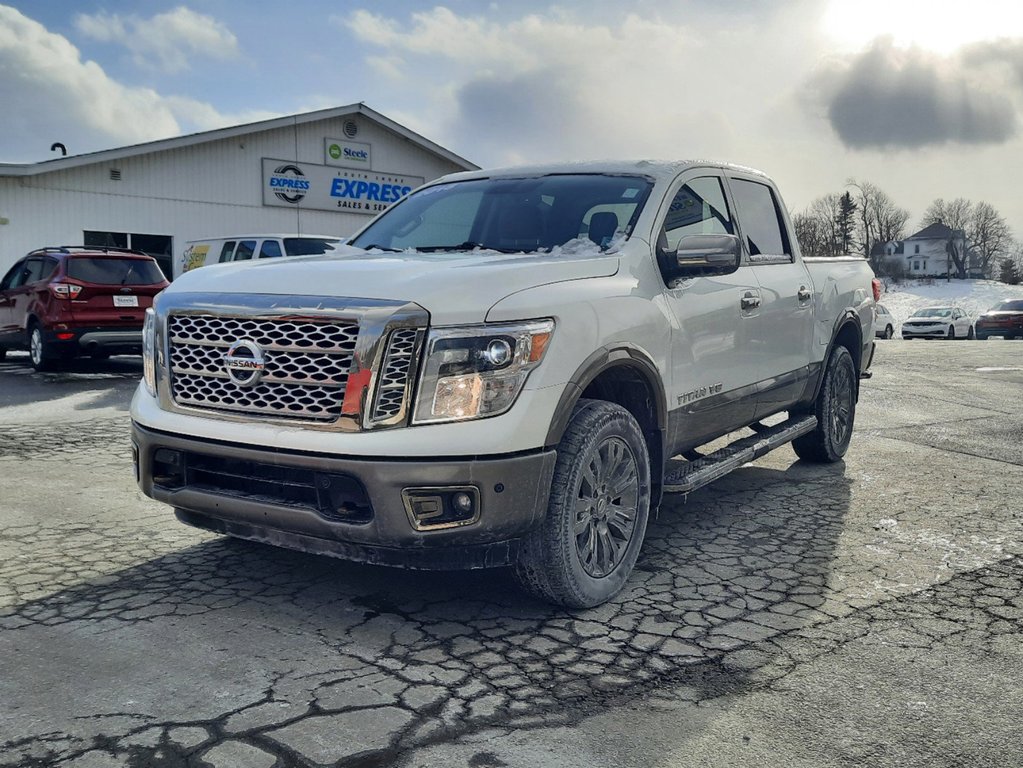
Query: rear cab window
{"x": 761, "y": 222}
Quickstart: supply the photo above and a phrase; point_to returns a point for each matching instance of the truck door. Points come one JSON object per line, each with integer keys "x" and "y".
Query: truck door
{"x": 711, "y": 375}
{"x": 783, "y": 334}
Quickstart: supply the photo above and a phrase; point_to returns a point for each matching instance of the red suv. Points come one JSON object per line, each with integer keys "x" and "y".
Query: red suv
{"x": 62, "y": 302}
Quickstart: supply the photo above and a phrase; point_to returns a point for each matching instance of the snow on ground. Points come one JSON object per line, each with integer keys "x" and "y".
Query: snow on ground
{"x": 975, "y": 296}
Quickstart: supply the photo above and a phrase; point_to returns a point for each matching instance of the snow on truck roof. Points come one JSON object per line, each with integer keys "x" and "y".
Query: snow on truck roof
{"x": 659, "y": 170}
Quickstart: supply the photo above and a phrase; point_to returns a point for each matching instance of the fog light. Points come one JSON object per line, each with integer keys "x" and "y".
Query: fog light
{"x": 436, "y": 508}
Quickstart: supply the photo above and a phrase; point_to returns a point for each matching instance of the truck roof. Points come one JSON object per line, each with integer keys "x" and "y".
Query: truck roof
{"x": 656, "y": 169}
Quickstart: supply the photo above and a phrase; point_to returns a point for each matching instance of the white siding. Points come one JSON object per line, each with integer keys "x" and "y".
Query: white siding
{"x": 205, "y": 190}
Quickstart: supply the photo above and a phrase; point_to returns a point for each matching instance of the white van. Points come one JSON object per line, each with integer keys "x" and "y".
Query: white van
{"x": 217, "y": 250}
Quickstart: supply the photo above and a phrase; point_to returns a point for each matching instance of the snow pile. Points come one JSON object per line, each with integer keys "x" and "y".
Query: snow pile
{"x": 975, "y": 296}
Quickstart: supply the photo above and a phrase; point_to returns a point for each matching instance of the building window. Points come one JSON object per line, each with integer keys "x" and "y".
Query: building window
{"x": 916, "y": 248}
{"x": 916, "y": 265}
{"x": 157, "y": 246}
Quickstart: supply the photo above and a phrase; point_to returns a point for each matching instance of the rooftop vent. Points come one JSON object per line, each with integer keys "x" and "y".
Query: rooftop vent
{"x": 115, "y": 174}
{"x": 351, "y": 128}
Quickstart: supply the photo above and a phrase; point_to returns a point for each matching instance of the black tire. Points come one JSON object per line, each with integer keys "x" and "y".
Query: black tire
{"x": 969, "y": 334}
{"x": 3, "y": 354}
{"x": 835, "y": 409}
{"x": 40, "y": 353}
{"x": 586, "y": 547}
{"x": 889, "y": 332}
{"x": 100, "y": 356}
{"x": 951, "y": 333}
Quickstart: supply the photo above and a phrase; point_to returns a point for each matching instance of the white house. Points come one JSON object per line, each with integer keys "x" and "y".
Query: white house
{"x": 323, "y": 172}
{"x": 926, "y": 253}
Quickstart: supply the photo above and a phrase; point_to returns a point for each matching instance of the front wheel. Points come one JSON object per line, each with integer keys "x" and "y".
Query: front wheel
{"x": 889, "y": 332}
{"x": 586, "y": 547}
{"x": 951, "y": 332}
{"x": 835, "y": 409}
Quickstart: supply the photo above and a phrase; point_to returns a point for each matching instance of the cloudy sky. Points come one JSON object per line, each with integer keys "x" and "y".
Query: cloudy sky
{"x": 922, "y": 98}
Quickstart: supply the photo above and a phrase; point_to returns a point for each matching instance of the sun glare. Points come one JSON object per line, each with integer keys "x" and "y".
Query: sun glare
{"x": 937, "y": 26}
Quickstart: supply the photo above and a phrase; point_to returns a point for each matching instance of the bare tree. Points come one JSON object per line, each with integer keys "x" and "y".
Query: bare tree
{"x": 879, "y": 220}
{"x": 989, "y": 236}
{"x": 817, "y": 227}
{"x": 955, "y": 215}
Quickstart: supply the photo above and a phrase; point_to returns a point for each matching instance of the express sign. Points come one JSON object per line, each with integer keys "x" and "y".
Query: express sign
{"x": 308, "y": 186}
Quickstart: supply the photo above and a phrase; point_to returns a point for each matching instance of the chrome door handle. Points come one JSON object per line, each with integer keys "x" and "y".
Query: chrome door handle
{"x": 750, "y": 301}
{"x": 804, "y": 293}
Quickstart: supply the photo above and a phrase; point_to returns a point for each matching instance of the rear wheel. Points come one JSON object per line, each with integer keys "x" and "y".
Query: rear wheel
{"x": 951, "y": 332}
{"x": 40, "y": 353}
{"x": 835, "y": 409}
{"x": 969, "y": 333}
{"x": 889, "y": 332}
{"x": 586, "y": 547}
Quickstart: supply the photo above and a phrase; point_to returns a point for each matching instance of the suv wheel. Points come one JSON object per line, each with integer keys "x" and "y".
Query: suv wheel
{"x": 585, "y": 549}
{"x": 39, "y": 352}
{"x": 835, "y": 409}
{"x": 3, "y": 353}
{"x": 889, "y": 332}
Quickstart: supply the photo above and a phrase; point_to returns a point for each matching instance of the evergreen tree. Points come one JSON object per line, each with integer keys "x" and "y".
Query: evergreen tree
{"x": 845, "y": 223}
{"x": 1010, "y": 272}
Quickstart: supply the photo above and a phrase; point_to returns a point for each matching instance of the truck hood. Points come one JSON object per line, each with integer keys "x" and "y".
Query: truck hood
{"x": 453, "y": 287}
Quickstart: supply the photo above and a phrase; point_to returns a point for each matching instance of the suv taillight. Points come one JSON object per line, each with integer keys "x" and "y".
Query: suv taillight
{"x": 65, "y": 290}
{"x": 876, "y": 285}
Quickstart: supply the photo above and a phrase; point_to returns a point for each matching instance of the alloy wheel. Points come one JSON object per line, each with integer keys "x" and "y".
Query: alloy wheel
{"x": 606, "y": 507}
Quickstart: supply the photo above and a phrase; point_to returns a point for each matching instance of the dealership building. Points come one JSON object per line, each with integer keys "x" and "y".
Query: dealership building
{"x": 325, "y": 173}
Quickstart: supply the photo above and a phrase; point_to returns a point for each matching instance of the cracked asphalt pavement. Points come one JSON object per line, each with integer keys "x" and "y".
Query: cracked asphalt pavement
{"x": 863, "y": 613}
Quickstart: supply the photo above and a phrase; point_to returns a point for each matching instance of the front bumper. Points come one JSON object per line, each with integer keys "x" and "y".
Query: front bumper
{"x": 925, "y": 332}
{"x": 285, "y": 498}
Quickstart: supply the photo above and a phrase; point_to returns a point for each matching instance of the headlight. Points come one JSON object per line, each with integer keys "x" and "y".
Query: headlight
{"x": 478, "y": 371}
{"x": 149, "y": 351}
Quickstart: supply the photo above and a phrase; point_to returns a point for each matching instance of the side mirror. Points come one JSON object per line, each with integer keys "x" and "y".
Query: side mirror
{"x": 698, "y": 255}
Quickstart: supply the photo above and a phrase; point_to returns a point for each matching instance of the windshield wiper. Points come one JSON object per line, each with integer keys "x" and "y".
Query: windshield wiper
{"x": 468, "y": 245}
{"x": 379, "y": 248}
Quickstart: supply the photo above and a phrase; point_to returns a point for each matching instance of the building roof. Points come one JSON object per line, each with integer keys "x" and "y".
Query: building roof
{"x": 179, "y": 142}
{"x": 935, "y": 231}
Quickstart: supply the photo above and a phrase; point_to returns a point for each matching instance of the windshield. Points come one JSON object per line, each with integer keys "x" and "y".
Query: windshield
{"x": 933, "y": 312}
{"x": 1008, "y": 306}
{"x": 511, "y": 215}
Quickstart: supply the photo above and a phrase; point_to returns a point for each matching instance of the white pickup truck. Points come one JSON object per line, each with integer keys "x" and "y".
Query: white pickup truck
{"x": 499, "y": 369}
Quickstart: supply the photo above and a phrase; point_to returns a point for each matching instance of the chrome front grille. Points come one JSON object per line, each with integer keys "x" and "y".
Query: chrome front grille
{"x": 392, "y": 383}
{"x": 306, "y": 365}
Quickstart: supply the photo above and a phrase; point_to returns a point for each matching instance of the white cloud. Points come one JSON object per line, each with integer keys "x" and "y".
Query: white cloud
{"x": 167, "y": 41}
{"x": 558, "y": 85}
{"x": 51, "y": 94}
